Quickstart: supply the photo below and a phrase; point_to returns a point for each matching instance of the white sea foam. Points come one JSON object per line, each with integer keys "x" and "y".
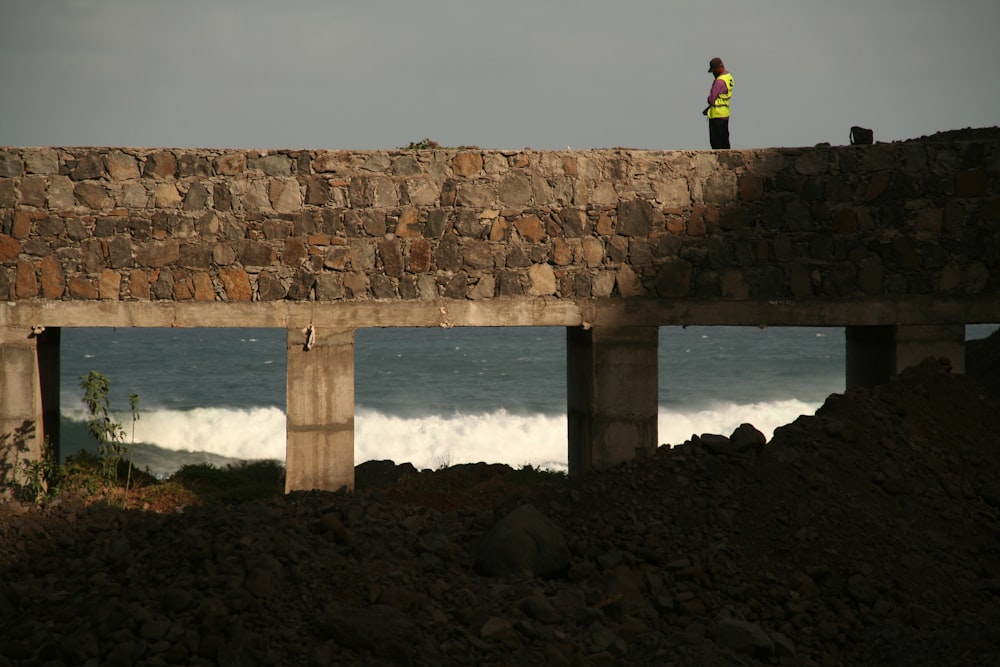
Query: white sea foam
{"x": 429, "y": 441}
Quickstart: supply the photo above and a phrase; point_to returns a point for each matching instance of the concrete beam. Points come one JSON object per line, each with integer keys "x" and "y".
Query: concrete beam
{"x": 611, "y": 375}
{"x": 320, "y": 410}
{"x": 507, "y": 311}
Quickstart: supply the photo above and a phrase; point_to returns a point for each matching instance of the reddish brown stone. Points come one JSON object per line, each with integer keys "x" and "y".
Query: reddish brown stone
{"x": 562, "y": 253}
{"x": 81, "y": 287}
{"x": 605, "y": 227}
{"x": 231, "y": 164}
{"x": 110, "y": 284}
{"x": 295, "y": 252}
{"x": 419, "y": 256}
{"x": 392, "y": 257}
{"x": 160, "y": 165}
{"x": 53, "y": 278}
{"x": 236, "y": 284}
{"x": 22, "y": 225}
{"x": 530, "y": 228}
{"x": 9, "y": 247}
{"x": 92, "y": 195}
{"x": 26, "y": 283}
{"x": 138, "y": 283}
{"x": 204, "y": 290}
{"x": 183, "y": 289}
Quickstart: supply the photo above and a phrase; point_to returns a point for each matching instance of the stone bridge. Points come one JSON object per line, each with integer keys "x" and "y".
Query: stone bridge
{"x": 899, "y": 243}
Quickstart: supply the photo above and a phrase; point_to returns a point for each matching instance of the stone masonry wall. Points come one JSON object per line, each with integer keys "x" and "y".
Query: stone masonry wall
{"x": 908, "y": 218}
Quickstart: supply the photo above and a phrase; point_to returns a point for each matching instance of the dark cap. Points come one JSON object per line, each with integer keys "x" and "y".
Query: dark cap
{"x": 715, "y": 64}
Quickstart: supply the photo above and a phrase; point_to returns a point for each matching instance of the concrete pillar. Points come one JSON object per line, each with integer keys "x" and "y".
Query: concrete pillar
{"x": 611, "y": 375}
{"x": 319, "y": 450}
{"x": 876, "y": 353}
{"x": 29, "y": 395}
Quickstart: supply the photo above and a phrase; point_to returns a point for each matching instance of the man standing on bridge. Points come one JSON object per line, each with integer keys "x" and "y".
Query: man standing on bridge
{"x": 718, "y": 104}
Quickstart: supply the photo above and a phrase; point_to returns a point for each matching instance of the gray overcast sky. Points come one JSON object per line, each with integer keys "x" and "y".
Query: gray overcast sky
{"x": 545, "y": 74}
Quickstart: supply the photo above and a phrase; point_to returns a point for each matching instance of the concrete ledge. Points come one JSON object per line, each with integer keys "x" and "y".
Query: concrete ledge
{"x": 540, "y": 311}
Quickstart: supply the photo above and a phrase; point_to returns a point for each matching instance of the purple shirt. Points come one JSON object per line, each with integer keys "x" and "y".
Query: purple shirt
{"x": 718, "y": 88}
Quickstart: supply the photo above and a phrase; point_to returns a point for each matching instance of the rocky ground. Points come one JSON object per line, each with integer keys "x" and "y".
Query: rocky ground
{"x": 868, "y": 534}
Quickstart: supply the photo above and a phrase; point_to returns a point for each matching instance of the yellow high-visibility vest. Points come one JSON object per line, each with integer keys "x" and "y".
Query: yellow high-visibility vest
{"x": 720, "y": 108}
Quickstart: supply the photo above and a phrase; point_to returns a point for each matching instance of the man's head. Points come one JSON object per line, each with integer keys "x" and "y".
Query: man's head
{"x": 715, "y": 66}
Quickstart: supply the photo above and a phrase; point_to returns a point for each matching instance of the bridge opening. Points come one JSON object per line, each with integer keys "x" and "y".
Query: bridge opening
{"x": 214, "y": 395}
{"x": 429, "y": 396}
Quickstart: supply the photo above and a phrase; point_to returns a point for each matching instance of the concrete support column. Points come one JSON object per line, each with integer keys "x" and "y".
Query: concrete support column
{"x": 876, "y": 353}
{"x": 611, "y": 377}
{"x": 319, "y": 427}
{"x": 29, "y": 395}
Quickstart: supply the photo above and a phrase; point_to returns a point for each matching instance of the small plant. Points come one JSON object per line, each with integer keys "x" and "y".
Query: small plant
{"x": 41, "y": 477}
{"x": 423, "y": 144}
{"x": 110, "y": 435}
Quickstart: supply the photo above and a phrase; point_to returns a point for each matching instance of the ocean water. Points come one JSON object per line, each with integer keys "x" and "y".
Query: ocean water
{"x": 431, "y": 397}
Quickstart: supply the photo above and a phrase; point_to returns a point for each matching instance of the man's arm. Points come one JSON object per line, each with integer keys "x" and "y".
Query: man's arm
{"x": 718, "y": 87}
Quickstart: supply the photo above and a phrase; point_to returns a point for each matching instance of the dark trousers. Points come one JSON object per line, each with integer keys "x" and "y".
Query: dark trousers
{"x": 718, "y": 132}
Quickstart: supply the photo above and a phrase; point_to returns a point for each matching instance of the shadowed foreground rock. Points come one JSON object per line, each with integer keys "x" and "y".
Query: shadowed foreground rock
{"x": 868, "y": 534}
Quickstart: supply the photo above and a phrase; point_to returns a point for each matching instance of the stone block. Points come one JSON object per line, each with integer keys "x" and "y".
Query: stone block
{"x": 10, "y": 247}
{"x": 236, "y": 284}
{"x": 408, "y": 224}
{"x": 121, "y": 166}
{"x": 204, "y": 289}
{"x": 33, "y": 191}
{"x": 60, "y": 193}
{"x": 530, "y": 228}
{"x": 25, "y": 282}
{"x": 81, "y": 287}
{"x": 418, "y": 256}
{"x": 160, "y": 165}
{"x": 52, "y": 278}
{"x": 109, "y": 285}
{"x": 42, "y": 161}
{"x": 138, "y": 285}
{"x": 467, "y": 164}
{"x": 166, "y": 196}
{"x": 542, "y": 280}
{"x": 92, "y": 195}
{"x": 635, "y": 218}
